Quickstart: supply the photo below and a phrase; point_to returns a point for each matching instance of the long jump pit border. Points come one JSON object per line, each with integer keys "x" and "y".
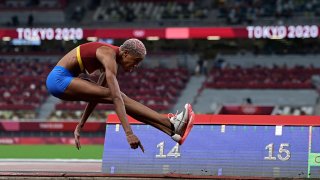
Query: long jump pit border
{"x": 80, "y": 169}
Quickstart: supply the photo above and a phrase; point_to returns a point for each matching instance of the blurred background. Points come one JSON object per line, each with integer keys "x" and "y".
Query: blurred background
{"x": 223, "y": 56}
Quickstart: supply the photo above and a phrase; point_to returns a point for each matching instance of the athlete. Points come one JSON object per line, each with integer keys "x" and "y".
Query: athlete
{"x": 63, "y": 82}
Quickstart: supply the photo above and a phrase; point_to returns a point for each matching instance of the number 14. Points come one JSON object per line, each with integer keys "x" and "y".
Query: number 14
{"x": 174, "y": 152}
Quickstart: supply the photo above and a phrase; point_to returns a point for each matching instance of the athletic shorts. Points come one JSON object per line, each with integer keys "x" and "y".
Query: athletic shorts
{"x": 58, "y": 80}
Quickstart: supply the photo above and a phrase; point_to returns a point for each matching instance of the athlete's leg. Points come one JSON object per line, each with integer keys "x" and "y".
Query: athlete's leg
{"x": 143, "y": 113}
{"x": 178, "y": 127}
{"x": 81, "y": 90}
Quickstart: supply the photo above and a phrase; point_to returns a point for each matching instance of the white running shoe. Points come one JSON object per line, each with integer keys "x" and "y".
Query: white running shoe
{"x": 183, "y": 123}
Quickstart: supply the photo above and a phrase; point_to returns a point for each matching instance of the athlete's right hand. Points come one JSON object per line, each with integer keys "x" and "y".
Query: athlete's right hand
{"x": 134, "y": 142}
{"x": 77, "y": 136}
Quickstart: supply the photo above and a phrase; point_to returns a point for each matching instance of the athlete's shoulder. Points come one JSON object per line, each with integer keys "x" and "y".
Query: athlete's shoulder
{"x": 93, "y": 44}
{"x": 96, "y": 45}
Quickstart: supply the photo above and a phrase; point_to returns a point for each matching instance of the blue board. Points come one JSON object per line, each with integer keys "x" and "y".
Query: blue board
{"x": 218, "y": 150}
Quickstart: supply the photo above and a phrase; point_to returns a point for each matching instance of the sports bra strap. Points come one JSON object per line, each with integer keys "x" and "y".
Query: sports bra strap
{"x": 79, "y": 59}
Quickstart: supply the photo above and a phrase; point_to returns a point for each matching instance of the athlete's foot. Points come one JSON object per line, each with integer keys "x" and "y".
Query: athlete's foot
{"x": 183, "y": 123}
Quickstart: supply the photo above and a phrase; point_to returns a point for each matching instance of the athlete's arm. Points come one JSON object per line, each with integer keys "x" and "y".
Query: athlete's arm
{"x": 91, "y": 105}
{"x": 87, "y": 111}
{"x": 107, "y": 57}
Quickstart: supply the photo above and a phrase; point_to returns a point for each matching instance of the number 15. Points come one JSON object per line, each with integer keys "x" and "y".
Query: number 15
{"x": 281, "y": 150}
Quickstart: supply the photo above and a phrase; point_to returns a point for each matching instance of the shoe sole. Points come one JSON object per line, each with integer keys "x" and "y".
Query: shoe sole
{"x": 189, "y": 126}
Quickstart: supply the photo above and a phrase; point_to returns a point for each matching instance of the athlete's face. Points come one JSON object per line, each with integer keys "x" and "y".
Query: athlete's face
{"x": 130, "y": 62}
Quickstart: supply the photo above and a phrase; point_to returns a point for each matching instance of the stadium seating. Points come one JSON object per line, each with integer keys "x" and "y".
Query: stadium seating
{"x": 33, "y": 12}
{"x": 158, "y": 13}
{"x": 247, "y": 12}
{"x": 149, "y": 10}
{"x": 22, "y": 87}
{"x": 266, "y": 80}
{"x": 213, "y": 12}
{"x": 261, "y": 78}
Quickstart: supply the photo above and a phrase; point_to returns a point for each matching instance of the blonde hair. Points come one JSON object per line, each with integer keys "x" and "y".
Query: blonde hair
{"x": 134, "y": 47}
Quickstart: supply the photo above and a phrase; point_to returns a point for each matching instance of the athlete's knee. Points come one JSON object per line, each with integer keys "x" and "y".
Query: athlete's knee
{"x": 106, "y": 92}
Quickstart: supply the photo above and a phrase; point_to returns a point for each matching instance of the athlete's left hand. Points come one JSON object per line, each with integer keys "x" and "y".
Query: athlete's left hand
{"x": 77, "y": 136}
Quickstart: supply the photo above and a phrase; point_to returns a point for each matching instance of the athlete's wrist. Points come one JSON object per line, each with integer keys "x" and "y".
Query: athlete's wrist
{"x": 80, "y": 125}
{"x": 129, "y": 132}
